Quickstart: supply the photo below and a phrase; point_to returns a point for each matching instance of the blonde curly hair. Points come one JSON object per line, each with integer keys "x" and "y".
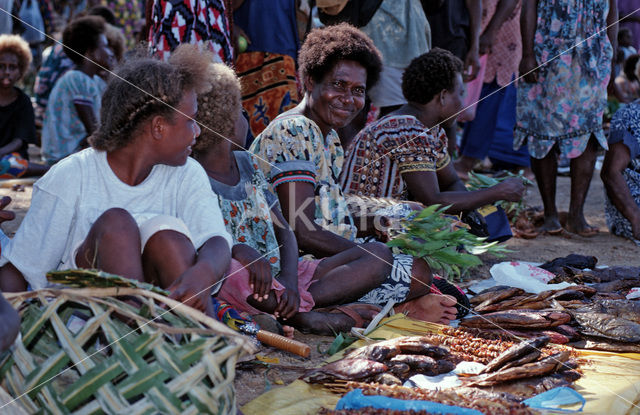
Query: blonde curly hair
{"x": 19, "y": 47}
{"x": 218, "y": 109}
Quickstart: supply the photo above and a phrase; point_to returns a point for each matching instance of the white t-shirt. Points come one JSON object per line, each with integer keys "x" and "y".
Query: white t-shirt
{"x": 76, "y": 191}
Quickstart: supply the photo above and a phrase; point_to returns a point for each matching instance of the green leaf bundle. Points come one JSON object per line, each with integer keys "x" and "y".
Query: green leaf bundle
{"x": 437, "y": 238}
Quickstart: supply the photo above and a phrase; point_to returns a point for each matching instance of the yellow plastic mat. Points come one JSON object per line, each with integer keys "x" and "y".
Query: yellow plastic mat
{"x": 610, "y": 384}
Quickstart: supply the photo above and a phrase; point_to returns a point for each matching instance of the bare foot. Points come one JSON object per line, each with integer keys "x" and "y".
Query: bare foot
{"x": 581, "y": 227}
{"x": 288, "y": 331}
{"x": 332, "y": 320}
{"x": 435, "y": 308}
{"x": 551, "y": 226}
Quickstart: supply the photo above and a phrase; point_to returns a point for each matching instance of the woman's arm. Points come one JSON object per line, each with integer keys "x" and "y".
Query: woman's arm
{"x": 297, "y": 200}
{"x": 475, "y": 21}
{"x": 88, "y": 118}
{"x": 13, "y": 145}
{"x": 290, "y": 299}
{"x": 444, "y": 187}
{"x": 615, "y": 162}
{"x": 528, "y": 23}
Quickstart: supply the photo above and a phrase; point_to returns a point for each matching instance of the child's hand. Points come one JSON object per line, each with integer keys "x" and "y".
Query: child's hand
{"x": 288, "y": 305}
{"x": 189, "y": 290}
{"x": 258, "y": 267}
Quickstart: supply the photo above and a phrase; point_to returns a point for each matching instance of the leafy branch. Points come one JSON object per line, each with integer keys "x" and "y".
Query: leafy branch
{"x": 441, "y": 241}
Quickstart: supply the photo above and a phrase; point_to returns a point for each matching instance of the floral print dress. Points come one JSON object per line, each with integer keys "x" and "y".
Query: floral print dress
{"x": 565, "y": 106}
{"x": 293, "y": 149}
{"x": 625, "y": 128}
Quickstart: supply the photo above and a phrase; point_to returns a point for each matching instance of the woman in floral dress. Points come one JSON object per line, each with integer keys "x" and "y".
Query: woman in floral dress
{"x": 560, "y": 104}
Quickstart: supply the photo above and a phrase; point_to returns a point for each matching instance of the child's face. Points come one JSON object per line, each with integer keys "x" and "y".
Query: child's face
{"x": 102, "y": 55}
{"x": 625, "y": 38}
{"x": 9, "y": 70}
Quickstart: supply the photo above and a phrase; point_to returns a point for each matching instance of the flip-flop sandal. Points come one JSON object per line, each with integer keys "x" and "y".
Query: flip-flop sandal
{"x": 589, "y": 232}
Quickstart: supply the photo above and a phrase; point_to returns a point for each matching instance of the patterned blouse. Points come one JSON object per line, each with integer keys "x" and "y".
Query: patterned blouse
{"x": 292, "y": 148}
{"x": 246, "y": 209}
{"x": 384, "y": 150}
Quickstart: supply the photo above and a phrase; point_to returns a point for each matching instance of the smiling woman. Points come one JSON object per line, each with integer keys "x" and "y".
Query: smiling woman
{"x": 300, "y": 153}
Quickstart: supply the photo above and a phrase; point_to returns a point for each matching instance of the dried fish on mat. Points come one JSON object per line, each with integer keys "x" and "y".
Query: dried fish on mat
{"x": 480, "y": 400}
{"x": 517, "y": 319}
{"x": 345, "y": 369}
{"x": 516, "y": 352}
{"x": 595, "y": 343}
{"x": 387, "y": 349}
{"x": 547, "y": 365}
{"x": 612, "y": 319}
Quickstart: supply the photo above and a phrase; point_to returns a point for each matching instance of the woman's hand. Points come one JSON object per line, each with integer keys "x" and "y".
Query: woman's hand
{"x": 529, "y": 68}
{"x": 258, "y": 267}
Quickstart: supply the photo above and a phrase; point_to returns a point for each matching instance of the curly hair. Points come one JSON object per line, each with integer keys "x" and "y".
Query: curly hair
{"x": 116, "y": 41}
{"x": 430, "y": 73}
{"x": 219, "y": 109}
{"x": 146, "y": 87}
{"x": 325, "y": 46}
{"x": 19, "y": 47}
{"x": 81, "y": 36}
{"x": 630, "y": 67}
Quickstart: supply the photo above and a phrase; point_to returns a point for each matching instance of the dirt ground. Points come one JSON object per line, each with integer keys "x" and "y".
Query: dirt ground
{"x": 255, "y": 377}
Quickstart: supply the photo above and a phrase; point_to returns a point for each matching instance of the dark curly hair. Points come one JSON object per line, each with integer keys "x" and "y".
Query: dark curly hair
{"x": 146, "y": 87}
{"x": 19, "y": 47}
{"x": 218, "y": 109}
{"x": 324, "y": 47}
{"x": 430, "y": 73}
{"x": 82, "y": 35}
{"x": 629, "y": 67}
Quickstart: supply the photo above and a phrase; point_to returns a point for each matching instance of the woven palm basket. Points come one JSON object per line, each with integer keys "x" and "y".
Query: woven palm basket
{"x": 86, "y": 351}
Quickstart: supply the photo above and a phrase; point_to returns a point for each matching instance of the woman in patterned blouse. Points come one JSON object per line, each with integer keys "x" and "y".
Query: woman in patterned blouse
{"x": 404, "y": 154}
{"x": 301, "y": 155}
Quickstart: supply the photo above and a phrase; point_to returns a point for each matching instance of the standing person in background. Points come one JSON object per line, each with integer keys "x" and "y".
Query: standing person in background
{"x": 201, "y": 22}
{"x": 561, "y": 103}
{"x": 400, "y": 30}
{"x": 73, "y": 111}
{"x": 455, "y": 26}
{"x": 495, "y": 117}
{"x": 266, "y": 59}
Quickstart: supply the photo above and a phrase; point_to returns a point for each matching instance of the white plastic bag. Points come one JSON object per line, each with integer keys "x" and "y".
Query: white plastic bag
{"x": 526, "y": 276}
{"x": 31, "y": 21}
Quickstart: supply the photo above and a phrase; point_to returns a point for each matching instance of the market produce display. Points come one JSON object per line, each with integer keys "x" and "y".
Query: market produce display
{"x": 595, "y": 314}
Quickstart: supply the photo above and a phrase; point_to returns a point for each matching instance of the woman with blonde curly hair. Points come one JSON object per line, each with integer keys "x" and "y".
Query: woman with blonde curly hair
{"x": 17, "y": 126}
{"x": 134, "y": 204}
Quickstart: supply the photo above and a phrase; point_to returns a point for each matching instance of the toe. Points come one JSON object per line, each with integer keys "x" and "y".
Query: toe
{"x": 448, "y": 301}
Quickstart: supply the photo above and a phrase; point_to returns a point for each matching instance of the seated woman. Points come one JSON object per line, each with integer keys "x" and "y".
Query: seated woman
{"x": 134, "y": 204}
{"x": 73, "y": 108}
{"x": 266, "y": 275}
{"x": 404, "y": 154}
{"x": 300, "y": 153}
{"x": 621, "y": 173}
{"x": 17, "y": 126}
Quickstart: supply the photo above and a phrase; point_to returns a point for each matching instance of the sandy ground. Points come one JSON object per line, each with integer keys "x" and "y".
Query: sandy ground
{"x": 254, "y": 377}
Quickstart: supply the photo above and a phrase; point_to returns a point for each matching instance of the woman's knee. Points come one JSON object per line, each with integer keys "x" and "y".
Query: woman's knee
{"x": 380, "y": 255}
